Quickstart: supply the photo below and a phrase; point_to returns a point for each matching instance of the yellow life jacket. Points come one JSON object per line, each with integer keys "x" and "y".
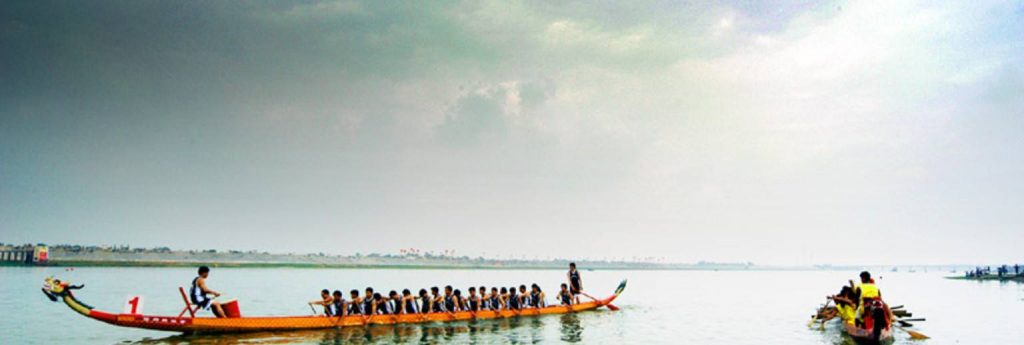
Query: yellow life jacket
{"x": 847, "y": 313}
{"x": 868, "y": 290}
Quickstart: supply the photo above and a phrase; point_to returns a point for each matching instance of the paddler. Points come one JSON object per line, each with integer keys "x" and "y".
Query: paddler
{"x": 564, "y": 296}
{"x": 338, "y": 304}
{"x": 537, "y": 296}
{"x": 395, "y": 302}
{"x": 503, "y": 298}
{"x": 449, "y": 302}
{"x": 368, "y": 300}
{"x": 426, "y": 303}
{"x": 846, "y": 307}
{"x": 355, "y": 306}
{"x": 325, "y": 301}
{"x": 865, "y": 293}
{"x": 460, "y": 302}
{"x": 409, "y": 302}
{"x": 524, "y": 297}
{"x": 513, "y": 299}
{"x": 379, "y": 305}
{"x": 199, "y": 293}
{"x": 473, "y": 301}
{"x": 495, "y": 301}
{"x": 485, "y": 302}
{"x": 575, "y": 282}
{"x": 436, "y": 301}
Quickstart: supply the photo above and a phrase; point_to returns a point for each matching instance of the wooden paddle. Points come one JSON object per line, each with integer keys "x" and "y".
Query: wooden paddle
{"x": 815, "y": 317}
{"x": 913, "y": 335}
{"x": 610, "y": 306}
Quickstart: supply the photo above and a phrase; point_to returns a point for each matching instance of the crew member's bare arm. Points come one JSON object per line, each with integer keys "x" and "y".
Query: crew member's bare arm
{"x": 202, "y": 285}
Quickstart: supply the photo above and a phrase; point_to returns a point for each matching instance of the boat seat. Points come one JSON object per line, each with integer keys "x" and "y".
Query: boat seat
{"x": 188, "y": 305}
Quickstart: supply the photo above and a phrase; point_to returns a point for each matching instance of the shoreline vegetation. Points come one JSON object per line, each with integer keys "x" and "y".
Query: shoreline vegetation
{"x": 66, "y": 255}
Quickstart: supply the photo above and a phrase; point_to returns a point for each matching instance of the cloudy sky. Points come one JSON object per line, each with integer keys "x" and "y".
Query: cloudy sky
{"x": 772, "y": 132}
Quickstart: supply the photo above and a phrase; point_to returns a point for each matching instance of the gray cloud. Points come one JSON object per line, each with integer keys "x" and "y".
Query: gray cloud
{"x": 684, "y": 125}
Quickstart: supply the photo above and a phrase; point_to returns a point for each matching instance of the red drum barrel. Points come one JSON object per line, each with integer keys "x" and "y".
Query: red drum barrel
{"x": 231, "y": 309}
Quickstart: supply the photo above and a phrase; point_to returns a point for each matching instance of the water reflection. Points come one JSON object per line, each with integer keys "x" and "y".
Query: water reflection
{"x": 510, "y": 330}
{"x": 572, "y": 330}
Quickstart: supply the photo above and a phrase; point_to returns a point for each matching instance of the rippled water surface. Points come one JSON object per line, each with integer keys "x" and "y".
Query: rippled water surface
{"x": 667, "y": 307}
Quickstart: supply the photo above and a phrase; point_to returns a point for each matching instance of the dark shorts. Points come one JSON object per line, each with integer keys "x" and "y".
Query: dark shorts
{"x": 203, "y": 304}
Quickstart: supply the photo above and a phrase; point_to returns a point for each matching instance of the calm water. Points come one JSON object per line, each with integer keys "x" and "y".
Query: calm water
{"x": 669, "y": 307}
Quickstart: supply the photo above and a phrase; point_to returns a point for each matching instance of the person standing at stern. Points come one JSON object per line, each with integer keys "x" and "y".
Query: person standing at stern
{"x": 575, "y": 282}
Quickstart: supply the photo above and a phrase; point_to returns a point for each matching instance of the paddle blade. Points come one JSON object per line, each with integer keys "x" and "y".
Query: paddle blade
{"x": 612, "y": 307}
{"x": 914, "y": 335}
{"x": 917, "y": 335}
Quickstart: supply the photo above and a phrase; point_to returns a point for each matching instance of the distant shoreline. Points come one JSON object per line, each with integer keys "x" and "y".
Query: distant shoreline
{"x": 105, "y": 263}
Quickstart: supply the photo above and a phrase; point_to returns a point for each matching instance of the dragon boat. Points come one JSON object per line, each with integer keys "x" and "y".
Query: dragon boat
{"x": 57, "y": 290}
{"x": 875, "y": 328}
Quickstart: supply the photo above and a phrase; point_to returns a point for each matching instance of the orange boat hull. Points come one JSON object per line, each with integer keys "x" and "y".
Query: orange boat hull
{"x": 290, "y": 323}
{"x": 287, "y": 323}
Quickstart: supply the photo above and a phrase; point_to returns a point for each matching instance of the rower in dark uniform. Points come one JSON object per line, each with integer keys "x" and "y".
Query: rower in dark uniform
{"x": 337, "y": 305}
{"x": 198, "y": 293}
{"x": 473, "y": 300}
{"x": 564, "y": 295}
{"x": 513, "y": 299}
{"x": 368, "y": 300}
{"x": 425, "y": 302}
{"x": 355, "y": 307}
{"x": 449, "y": 300}
{"x": 495, "y": 301}
{"x": 524, "y": 297}
{"x": 484, "y": 300}
{"x": 436, "y": 301}
{"x": 409, "y": 303}
{"x": 575, "y": 282}
{"x": 395, "y": 302}
{"x": 537, "y": 296}
{"x": 325, "y": 301}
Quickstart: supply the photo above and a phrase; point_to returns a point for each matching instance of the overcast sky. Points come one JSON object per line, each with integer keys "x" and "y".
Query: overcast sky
{"x": 772, "y": 132}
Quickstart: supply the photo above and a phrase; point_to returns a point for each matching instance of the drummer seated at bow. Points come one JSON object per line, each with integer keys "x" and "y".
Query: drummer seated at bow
{"x": 326, "y": 301}
{"x": 199, "y": 293}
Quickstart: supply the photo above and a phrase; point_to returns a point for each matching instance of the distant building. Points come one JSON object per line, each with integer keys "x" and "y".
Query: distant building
{"x": 27, "y": 254}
